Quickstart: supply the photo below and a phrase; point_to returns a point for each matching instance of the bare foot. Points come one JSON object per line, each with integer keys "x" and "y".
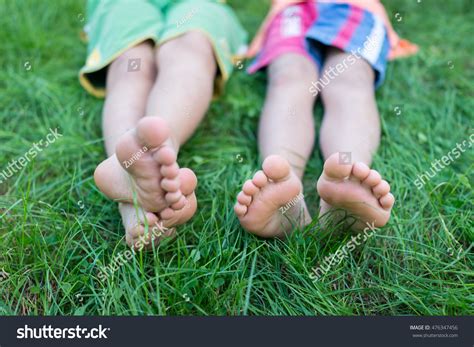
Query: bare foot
{"x": 358, "y": 190}
{"x": 144, "y": 166}
{"x": 144, "y": 227}
{"x": 272, "y": 200}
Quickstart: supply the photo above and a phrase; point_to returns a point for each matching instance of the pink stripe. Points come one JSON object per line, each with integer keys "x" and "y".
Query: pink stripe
{"x": 345, "y": 35}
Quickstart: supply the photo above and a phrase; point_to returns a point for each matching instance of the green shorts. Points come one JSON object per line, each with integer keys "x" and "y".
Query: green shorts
{"x": 113, "y": 26}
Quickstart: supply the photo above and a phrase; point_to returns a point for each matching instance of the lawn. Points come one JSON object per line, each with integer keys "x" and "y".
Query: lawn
{"x": 57, "y": 229}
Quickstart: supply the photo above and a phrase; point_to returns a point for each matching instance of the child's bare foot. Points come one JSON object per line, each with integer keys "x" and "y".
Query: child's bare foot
{"x": 135, "y": 220}
{"x": 357, "y": 189}
{"x": 144, "y": 164}
{"x": 259, "y": 204}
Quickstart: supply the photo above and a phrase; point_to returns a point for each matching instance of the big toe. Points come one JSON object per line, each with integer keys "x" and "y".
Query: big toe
{"x": 276, "y": 168}
{"x": 337, "y": 166}
{"x": 127, "y": 148}
{"x": 152, "y": 131}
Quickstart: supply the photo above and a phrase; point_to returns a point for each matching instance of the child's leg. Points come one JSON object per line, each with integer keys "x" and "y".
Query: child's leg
{"x": 125, "y": 105}
{"x": 286, "y": 139}
{"x": 287, "y": 125}
{"x": 186, "y": 71}
{"x": 183, "y": 91}
{"x": 127, "y": 94}
{"x": 350, "y": 135}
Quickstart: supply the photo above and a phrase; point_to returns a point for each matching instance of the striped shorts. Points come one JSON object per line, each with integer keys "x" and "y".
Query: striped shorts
{"x": 309, "y": 28}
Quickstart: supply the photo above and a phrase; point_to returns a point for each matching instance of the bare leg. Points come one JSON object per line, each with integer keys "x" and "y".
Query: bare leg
{"x": 137, "y": 153}
{"x": 183, "y": 91}
{"x": 351, "y": 124}
{"x": 287, "y": 124}
{"x": 351, "y": 120}
{"x": 181, "y": 97}
{"x": 187, "y": 70}
{"x": 127, "y": 93}
{"x": 286, "y": 139}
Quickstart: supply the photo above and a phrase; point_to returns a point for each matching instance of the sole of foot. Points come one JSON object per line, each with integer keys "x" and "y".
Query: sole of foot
{"x": 144, "y": 166}
{"x": 271, "y": 204}
{"x": 356, "y": 189}
{"x": 136, "y": 220}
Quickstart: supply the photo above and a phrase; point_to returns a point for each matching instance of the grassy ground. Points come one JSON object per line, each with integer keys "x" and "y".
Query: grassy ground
{"x": 56, "y": 228}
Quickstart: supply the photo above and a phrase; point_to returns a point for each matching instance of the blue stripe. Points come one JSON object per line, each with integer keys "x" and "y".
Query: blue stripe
{"x": 331, "y": 18}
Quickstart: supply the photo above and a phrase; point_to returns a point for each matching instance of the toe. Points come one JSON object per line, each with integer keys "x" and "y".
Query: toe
{"x": 135, "y": 231}
{"x": 240, "y": 209}
{"x": 170, "y": 171}
{"x": 165, "y": 156}
{"x": 360, "y": 171}
{"x": 276, "y": 168}
{"x": 188, "y": 181}
{"x": 381, "y": 189}
{"x": 179, "y": 204}
{"x": 334, "y": 167}
{"x": 260, "y": 179}
{"x": 151, "y": 220}
{"x": 135, "y": 226}
{"x": 249, "y": 188}
{"x": 244, "y": 199}
{"x": 173, "y": 197}
{"x": 373, "y": 179}
{"x": 152, "y": 131}
{"x": 167, "y": 213}
{"x": 170, "y": 185}
{"x": 387, "y": 201}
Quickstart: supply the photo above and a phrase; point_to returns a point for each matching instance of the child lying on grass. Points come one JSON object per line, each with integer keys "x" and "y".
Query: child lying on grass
{"x": 337, "y": 49}
{"x": 160, "y": 62}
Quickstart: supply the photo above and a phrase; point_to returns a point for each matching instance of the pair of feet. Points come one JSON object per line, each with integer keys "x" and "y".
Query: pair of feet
{"x": 144, "y": 170}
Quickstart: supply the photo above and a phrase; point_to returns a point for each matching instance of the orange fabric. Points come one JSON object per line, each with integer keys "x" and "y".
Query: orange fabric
{"x": 398, "y": 47}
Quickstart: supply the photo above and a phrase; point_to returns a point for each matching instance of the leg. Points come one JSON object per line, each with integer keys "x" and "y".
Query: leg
{"x": 186, "y": 72}
{"x": 183, "y": 91}
{"x": 181, "y": 97}
{"x": 287, "y": 125}
{"x": 351, "y": 124}
{"x": 125, "y": 104}
{"x": 351, "y": 120}
{"x": 135, "y": 147}
{"x": 127, "y": 94}
{"x": 286, "y": 139}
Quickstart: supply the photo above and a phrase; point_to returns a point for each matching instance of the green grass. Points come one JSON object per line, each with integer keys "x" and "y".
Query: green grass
{"x": 56, "y": 228}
